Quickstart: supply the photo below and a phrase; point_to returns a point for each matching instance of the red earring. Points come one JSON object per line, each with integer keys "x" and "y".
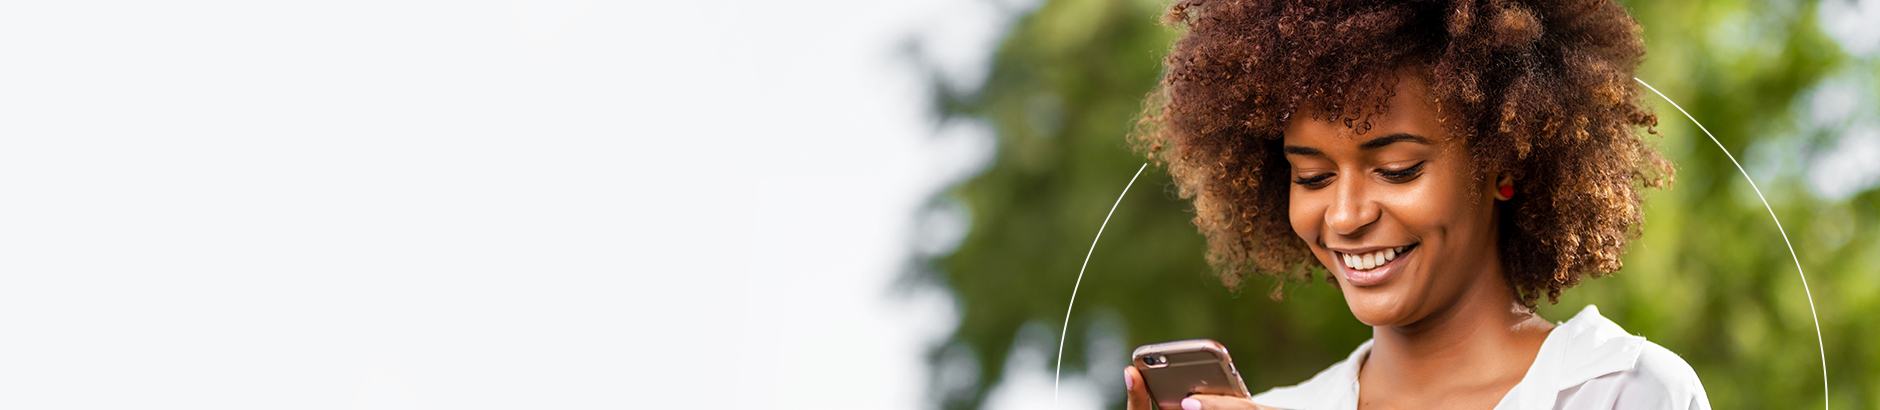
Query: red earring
{"x": 1507, "y": 191}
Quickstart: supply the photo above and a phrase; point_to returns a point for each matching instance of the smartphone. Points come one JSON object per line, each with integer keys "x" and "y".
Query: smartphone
{"x": 1173, "y": 370}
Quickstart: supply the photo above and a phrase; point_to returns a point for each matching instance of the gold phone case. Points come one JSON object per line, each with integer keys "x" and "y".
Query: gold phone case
{"x": 1174, "y": 370}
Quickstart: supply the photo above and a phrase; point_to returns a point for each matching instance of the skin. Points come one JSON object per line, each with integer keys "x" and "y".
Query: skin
{"x": 1447, "y": 329}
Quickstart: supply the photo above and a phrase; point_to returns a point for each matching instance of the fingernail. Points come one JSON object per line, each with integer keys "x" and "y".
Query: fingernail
{"x": 1128, "y": 383}
{"x": 1191, "y": 404}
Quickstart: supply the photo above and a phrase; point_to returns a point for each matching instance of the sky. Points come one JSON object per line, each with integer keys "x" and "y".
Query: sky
{"x": 410, "y": 204}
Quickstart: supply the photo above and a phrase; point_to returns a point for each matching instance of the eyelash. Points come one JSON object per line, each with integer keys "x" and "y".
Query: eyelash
{"x": 1315, "y": 182}
{"x": 1398, "y": 176}
{"x": 1404, "y": 175}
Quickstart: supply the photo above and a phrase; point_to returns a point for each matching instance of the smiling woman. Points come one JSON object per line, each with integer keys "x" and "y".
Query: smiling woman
{"x": 1357, "y": 201}
{"x": 1446, "y": 164}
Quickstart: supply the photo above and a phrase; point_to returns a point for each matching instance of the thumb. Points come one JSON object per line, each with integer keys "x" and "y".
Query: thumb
{"x": 1138, "y": 394}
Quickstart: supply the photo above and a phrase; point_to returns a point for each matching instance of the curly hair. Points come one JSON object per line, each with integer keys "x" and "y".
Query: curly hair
{"x": 1539, "y": 90}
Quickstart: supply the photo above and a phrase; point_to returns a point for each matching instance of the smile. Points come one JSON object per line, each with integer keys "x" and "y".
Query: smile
{"x": 1373, "y": 259}
{"x": 1372, "y": 268}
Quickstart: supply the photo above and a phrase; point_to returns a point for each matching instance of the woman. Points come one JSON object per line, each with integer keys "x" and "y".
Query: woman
{"x": 1446, "y": 164}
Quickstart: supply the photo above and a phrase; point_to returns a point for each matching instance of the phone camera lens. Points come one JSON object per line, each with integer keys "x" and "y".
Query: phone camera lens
{"x": 1155, "y": 360}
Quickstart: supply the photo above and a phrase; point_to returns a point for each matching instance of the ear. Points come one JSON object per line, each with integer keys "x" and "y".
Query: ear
{"x": 1504, "y": 186}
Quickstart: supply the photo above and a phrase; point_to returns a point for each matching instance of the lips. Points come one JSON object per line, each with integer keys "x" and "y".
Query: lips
{"x": 1371, "y": 267}
{"x": 1372, "y": 259}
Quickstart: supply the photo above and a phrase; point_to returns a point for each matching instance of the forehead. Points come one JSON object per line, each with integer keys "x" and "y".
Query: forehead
{"x": 1410, "y": 111}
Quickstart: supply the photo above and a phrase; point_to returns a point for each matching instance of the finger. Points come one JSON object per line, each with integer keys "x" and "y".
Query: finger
{"x": 1138, "y": 394}
{"x": 1213, "y": 402}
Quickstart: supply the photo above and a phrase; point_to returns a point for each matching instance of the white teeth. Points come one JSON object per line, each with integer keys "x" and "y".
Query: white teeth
{"x": 1372, "y": 259}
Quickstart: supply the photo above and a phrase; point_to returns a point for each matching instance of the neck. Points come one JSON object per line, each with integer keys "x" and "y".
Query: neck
{"x": 1486, "y": 339}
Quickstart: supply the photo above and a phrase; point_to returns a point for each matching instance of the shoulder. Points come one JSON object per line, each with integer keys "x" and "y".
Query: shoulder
{"x": 1660, "y": 380}
{"x": 1335, "y": 387}
{"x": 1608, "y": 367}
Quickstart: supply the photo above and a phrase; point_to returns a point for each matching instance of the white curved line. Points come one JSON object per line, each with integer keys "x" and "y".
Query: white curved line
{"x": 1080, "y": 282}
{"x": 1819, "y": 344}
{"x": 1785, "y": 239}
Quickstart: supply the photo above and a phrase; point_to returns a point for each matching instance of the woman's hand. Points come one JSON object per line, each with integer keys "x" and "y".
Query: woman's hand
{"x": 1139, "y": 397}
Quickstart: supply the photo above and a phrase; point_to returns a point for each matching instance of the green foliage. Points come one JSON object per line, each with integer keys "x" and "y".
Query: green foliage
{"x": 1710, "y": 279}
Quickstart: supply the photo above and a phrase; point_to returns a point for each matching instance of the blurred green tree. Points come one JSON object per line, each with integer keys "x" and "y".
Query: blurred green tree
{"x": 1710, "y": 279}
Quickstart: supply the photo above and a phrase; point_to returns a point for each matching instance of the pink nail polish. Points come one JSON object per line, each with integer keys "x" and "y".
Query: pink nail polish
{"x": 1191, "y": 404}
{"x": 1128, "y": 383}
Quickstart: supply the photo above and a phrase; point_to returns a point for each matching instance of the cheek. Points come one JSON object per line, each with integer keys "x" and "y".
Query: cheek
{"x": 1441, "y": 211}
{"x": 1305, "y": 213}
{"x": 1420, "y": 208}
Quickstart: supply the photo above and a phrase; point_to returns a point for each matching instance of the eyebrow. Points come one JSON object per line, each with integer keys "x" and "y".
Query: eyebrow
{"x": 1380, "y": 142}
{"x": 1393, "y": 139}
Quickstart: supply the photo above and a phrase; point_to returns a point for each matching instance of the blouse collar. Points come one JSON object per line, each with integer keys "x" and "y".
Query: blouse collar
{"x": 1578, "y": 350}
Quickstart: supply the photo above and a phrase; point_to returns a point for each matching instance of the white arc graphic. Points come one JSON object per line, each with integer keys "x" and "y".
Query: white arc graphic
{"x": 1819, "y": 344}
{"x": 1059, "y": 373}
{"x": 1785, "y": 238}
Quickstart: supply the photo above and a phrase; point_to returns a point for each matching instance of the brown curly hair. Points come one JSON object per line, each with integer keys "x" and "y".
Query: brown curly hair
{"x": 1539, "y": 90}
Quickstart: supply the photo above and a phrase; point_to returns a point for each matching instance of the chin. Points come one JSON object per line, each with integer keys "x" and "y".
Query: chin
{"x": 1379, "y": 307}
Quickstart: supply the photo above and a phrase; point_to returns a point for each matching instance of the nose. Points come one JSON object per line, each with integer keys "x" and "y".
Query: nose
{"x": 1352, "y": 208}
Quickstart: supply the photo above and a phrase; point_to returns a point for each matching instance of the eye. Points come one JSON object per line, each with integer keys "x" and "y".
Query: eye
{"x": 1402, "y": 175}
{"x": 1313, "y": 182}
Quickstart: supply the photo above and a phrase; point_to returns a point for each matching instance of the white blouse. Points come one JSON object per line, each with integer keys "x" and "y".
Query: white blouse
{"x": 1585, "y": 363}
